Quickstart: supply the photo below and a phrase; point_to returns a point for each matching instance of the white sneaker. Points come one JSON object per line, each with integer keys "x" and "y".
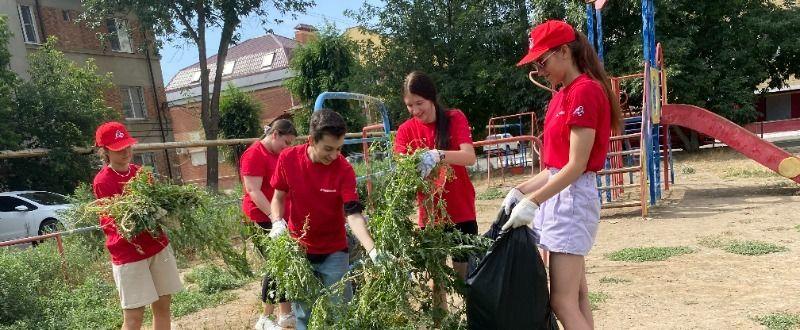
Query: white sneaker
{"x": 287, "y": 321}
{"x": 265, "y": 323}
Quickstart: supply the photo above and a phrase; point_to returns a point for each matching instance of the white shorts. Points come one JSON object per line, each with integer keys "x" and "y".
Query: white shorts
{"x": 141, "y": 283}
{"x": 568, "y": 221}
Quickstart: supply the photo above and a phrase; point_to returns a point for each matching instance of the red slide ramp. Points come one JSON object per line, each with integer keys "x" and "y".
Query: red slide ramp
{"x": 734, "y": 136}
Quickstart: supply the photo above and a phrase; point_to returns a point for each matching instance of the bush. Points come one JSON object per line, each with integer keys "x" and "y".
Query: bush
{"x": 643, "y": 254}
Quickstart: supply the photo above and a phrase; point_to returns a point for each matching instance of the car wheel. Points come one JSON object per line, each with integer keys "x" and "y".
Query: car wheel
{"x": 49, "y": 225}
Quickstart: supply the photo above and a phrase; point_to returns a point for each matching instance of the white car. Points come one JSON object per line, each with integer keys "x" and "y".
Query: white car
{"x": 508, "y": 147}
{"x": 30, "y": 213}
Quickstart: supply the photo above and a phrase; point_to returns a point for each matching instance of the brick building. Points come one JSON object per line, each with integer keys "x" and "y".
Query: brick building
{"x": 258, "y": 66}
{"x": 138, "y": 90}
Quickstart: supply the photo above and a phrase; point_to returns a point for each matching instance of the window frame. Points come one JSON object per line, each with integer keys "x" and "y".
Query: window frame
{"x": 32, "y": 17}
{"x": 120, "y": 24}
{"x": 130, "y": 100}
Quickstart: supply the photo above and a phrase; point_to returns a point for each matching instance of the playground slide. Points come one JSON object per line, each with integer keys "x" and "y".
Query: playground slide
{"x": 734, "y": 136}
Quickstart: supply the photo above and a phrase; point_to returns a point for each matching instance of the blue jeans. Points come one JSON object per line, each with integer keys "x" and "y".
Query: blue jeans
{"x": 329, "y": 272}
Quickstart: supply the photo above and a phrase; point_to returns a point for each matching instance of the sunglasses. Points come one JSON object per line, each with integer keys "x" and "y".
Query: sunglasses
{"x": 539, "y": 65}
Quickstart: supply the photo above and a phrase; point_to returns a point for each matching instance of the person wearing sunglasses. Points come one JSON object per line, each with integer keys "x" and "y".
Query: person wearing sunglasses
{"x": 562, "y": 200}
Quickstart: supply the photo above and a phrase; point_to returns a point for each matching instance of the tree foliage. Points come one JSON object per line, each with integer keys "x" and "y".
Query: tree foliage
{"x": 324, "y": 64}
{"x": 58, "y": 109}
{"x": 470, "y": 48}
{"x": 8, "y": 81}
{"x": 239, "y": 119}
{"x": 189, "y": 20}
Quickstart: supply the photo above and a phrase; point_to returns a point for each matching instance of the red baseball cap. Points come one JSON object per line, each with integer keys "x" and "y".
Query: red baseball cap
{"x": 113, "y": 136}
{"x": 546, "y": 36}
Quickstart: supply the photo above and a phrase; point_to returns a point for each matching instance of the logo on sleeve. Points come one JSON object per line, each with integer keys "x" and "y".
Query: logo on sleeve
{"x": 578, "y": 111}
{"x": 327, "y": 190}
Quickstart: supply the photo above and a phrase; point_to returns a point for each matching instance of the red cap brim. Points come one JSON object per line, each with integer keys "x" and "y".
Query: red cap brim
{"x": 121, "y": 144}
{"x": 531, "y": 56}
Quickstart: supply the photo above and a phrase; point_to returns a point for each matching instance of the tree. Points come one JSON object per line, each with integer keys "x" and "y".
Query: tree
{"x": 324, "y": 64}
{"x": 718, "y": 53}
{"x": 469, "y": 47}
{"x": 189, "y": 20}
{"x": 58, "y": 108}
{"x": 239, "y": 119}
{"x": 8, "y": 81}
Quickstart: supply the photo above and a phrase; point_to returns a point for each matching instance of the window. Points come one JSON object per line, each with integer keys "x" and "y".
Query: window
{"x": 46, "y": 198}
{"x": 119, "y": 35}
{"x": 268, "y": 59}
{"x": 9, "y": 204}
{"x": 133, "y": 102}
{"x": 145, "y": 159}
{"x": 27, "y": 20}
{"x": 228, "y": 68}
{"x": 195, "y": 76}
{"x": 65, "y": 15}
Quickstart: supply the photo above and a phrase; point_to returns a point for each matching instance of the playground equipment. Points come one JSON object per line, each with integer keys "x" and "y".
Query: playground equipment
{"x": 655, "y": 151}
{"x": 384, "y": 125}
{"x": 509, "y": 155}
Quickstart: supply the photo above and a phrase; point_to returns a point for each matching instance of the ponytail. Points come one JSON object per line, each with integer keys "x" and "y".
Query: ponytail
{"x": 588, "y": 62}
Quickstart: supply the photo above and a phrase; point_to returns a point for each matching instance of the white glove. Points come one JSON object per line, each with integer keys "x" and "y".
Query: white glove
{"x": 512, "y": 198}
{"x": 278, "y": 227}
{"x": 429, "y": 160}
{"x": 522, "y": 215}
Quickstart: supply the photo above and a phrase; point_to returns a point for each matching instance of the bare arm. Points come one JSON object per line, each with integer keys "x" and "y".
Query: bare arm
{"x": 465, "y": 156}
{"x": 252, "y": 184}
{"x": 358, "y": 225}
{"x": 277, "y": 205}
{"x": 580, "y": 146}
{"x": 535, "y": 183}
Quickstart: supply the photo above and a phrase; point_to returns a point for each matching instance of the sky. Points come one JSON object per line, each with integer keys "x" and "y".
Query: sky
{"x": 180, "y": 54}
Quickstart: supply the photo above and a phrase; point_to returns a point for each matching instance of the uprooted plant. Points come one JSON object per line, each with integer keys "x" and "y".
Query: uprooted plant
{"x": 393, "y": 293}
{"x": 195, "y": 221}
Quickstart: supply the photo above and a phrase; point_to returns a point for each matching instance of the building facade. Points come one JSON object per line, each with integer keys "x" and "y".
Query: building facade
{"x": 138, "y": 89}
{"x": 258, "y": 66}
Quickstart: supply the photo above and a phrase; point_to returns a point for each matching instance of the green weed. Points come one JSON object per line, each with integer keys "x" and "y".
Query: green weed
{"x": 613, "y": 280}
{"x": 753, "y": 248}
{"x": 597, "y": 298}
{"x": 779, "y": 321}
{"x": 643, "y": 254}
{"x": 490, "y": 193}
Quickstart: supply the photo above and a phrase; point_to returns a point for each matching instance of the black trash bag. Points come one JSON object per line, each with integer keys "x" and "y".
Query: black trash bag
{"x": 508, "y": 289}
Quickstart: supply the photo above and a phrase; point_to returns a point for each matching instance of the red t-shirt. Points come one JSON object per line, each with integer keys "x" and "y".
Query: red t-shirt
{"x": 459, "y": 194}
{"x": 108, "y": 183}
{"x": 582, "y": 103}
{"x": 258, "y": 161}
{"x": 316, "y": 192}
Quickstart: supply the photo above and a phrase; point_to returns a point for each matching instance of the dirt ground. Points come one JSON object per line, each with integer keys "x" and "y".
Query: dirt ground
{"x": 717, "y": 193}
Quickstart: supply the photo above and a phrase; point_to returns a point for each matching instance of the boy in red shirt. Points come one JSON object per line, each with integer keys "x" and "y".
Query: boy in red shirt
{"x": 321, "y": 188}
{"x": 144, "y": 268}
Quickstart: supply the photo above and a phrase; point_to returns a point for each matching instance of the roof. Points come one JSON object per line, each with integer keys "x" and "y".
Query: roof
{"x": 247, "y": 58}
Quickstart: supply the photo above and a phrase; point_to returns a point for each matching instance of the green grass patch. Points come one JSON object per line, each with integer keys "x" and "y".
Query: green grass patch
{"x": 187, "y": 301}
{"x": 797, "y": 227}
{"x": 597, "y": 298}
{"x": 779, "y": 321}
{"x": 753, "y": 248}
{"x": 214, "y": 279}
{"x": 688, "y": 170}
{"x": 490, "y": 193}
{"x": 748, "y": 173}
{"x": 613, "y": 280}
{"x": 643, "y": 254}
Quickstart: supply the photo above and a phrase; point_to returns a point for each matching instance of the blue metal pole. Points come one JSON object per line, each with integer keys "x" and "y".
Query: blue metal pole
{"x": 590, "y": 23}
{"x": 600, "y": 50}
